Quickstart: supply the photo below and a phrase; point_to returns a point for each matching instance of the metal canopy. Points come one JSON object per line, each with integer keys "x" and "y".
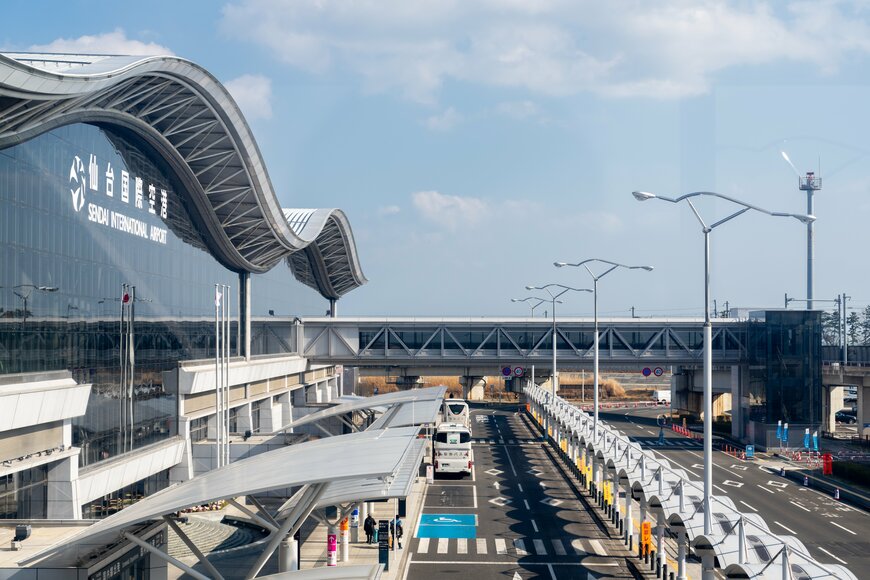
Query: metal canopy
{"x": 407, "y": 414}
{"x": 192, "y": 122}
{"x": 370, "y": 572}
{"x": 357, "y": 456}
{"x": 385, "y": 400}
{"x": 356, "y": 490}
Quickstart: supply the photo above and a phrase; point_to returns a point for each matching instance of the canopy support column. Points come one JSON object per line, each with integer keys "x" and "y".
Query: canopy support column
{"x": 289, "y": 526}
{"x": 163, "y": 555}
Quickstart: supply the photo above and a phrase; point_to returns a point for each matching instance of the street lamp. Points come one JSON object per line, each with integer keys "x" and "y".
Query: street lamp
{"x": 25, "y": 296}
{"x": 538, "y": 303}
{"x": 553, "y": 297}
{"x": 612, "y": 266}
{"x": 708, "y": 325}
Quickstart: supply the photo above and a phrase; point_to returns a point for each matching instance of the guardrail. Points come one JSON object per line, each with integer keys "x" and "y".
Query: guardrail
{"x": 591, "y": 451}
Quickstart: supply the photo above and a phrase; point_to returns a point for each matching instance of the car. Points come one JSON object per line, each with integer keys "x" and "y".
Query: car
{"x": 845, "y": 417}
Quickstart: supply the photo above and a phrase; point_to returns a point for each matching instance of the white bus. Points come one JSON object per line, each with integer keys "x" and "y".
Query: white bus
{"x": 456, "y": 411}
{"x": 452, "y": 449}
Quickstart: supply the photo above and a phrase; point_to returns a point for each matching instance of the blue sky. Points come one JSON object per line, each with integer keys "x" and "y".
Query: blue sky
{"x": 473, "y": 143}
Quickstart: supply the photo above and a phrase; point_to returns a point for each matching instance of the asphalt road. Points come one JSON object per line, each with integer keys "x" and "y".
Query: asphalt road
{"x": 530, "y": 521}
{"x": 833, "y": 532}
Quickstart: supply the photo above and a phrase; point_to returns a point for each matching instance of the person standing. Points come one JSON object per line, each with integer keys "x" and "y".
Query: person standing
{"x": 369, "y": 527}
{"x": 397, "y": 530}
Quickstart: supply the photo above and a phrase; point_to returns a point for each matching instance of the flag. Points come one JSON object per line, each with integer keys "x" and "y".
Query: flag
{"x": 785, "y": 433}
{"x": 217, "y": 297}
{"x": 807, "y": 439}
{"x": 815, "y": 440}
{"x": 779, "y": 430}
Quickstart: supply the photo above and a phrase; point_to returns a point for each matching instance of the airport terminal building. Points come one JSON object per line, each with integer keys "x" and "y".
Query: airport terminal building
{"x": 129, "y": 188}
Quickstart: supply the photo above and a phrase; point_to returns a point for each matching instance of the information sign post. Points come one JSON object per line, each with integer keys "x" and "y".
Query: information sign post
{"x": 384, "y": 544}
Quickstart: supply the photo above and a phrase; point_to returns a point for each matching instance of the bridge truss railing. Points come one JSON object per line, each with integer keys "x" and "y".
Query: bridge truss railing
{"x": 521, "y": 341}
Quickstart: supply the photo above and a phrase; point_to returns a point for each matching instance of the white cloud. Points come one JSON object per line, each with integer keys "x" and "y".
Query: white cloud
{"x": 115, "y": 42}
{"x": 253, "y": 94}
{"x": 388, "y": 210}
{"x": 518, "y": 109}
{"x": 444, "y": 121}
{"x": 449, "y": 211}
{"x": 621, "y": 48}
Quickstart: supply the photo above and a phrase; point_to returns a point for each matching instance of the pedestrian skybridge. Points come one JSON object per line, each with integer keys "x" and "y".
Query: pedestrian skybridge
{"x": 492, "y": 342}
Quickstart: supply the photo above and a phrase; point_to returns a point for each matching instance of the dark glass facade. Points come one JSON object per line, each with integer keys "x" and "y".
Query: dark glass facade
{"x": 785, "y": 368}
{"x": 24, "y": 495}
{"x": 85, "y": 210}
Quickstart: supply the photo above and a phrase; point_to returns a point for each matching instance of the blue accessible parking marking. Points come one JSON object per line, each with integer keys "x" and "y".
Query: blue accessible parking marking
{"x": 447, "y": 526}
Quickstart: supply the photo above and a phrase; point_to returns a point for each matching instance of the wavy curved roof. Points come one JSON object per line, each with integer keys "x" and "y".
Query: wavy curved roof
{"x": 190, "y": 119}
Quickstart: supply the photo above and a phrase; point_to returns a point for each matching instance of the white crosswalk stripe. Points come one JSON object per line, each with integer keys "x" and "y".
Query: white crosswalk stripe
{"x": 481, "y": 546}
{"x": 442, "y": 545}
{"x": 597, "y": 548}
{"x": 521, "y": 546}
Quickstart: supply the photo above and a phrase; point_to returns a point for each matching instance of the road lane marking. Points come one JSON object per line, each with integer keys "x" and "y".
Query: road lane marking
{"x": 510, "y": 461}
{"x": 461, "y": 546}
{"x": 481, "y": 546}
{"x": 693, "y": 453}
{"x": 540, "y": 549}
{"x": 520, "y": 487}
{"x": 787, "y": 529}
{"x": 730, "y": 483}
{"x": 520, "y": 547}
{"x": 597, "y": 548}
{"x": 552, "y": 572}
{"x": 842, "y": 528}
{"x": 749, "y": 506}
{"x": 831, "y": 555}
{"x": 764, "y": 488}
{"x": 558, "y": 547}
{"x": 442, "y": 545}
{"x": 799, "y": 505}
{"x": 423, "y": 546}
{"x": 500, "y": 547}
{"x": 720, "y": 489}
{"x": 474, "y": 490}
{"x": 535, "y": 526}
{"x": 526, "y": 502}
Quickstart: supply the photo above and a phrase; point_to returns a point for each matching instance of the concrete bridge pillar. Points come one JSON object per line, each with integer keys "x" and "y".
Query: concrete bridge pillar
{"x": 473, "y": 388}
{"x": 409, "y": 382}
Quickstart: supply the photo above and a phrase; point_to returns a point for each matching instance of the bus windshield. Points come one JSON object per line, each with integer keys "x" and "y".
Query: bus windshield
{"x": 453, "y": 437}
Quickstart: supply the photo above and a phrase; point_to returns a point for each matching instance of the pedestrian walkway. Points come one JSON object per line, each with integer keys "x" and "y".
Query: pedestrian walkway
{"x": 513, "y": 548}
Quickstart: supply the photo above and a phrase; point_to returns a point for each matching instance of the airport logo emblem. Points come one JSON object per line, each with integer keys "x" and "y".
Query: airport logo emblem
{"x": 77, "y": 183}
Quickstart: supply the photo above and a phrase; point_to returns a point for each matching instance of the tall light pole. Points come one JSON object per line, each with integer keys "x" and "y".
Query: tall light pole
{"x": 25, "y": 296}
{"x": 708, "y": 325}
{"x": 527, "y": 298}
{"x": 553, "y": 297}
{"x": 612, "y": 266}
{"x": 810, "y": 184}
